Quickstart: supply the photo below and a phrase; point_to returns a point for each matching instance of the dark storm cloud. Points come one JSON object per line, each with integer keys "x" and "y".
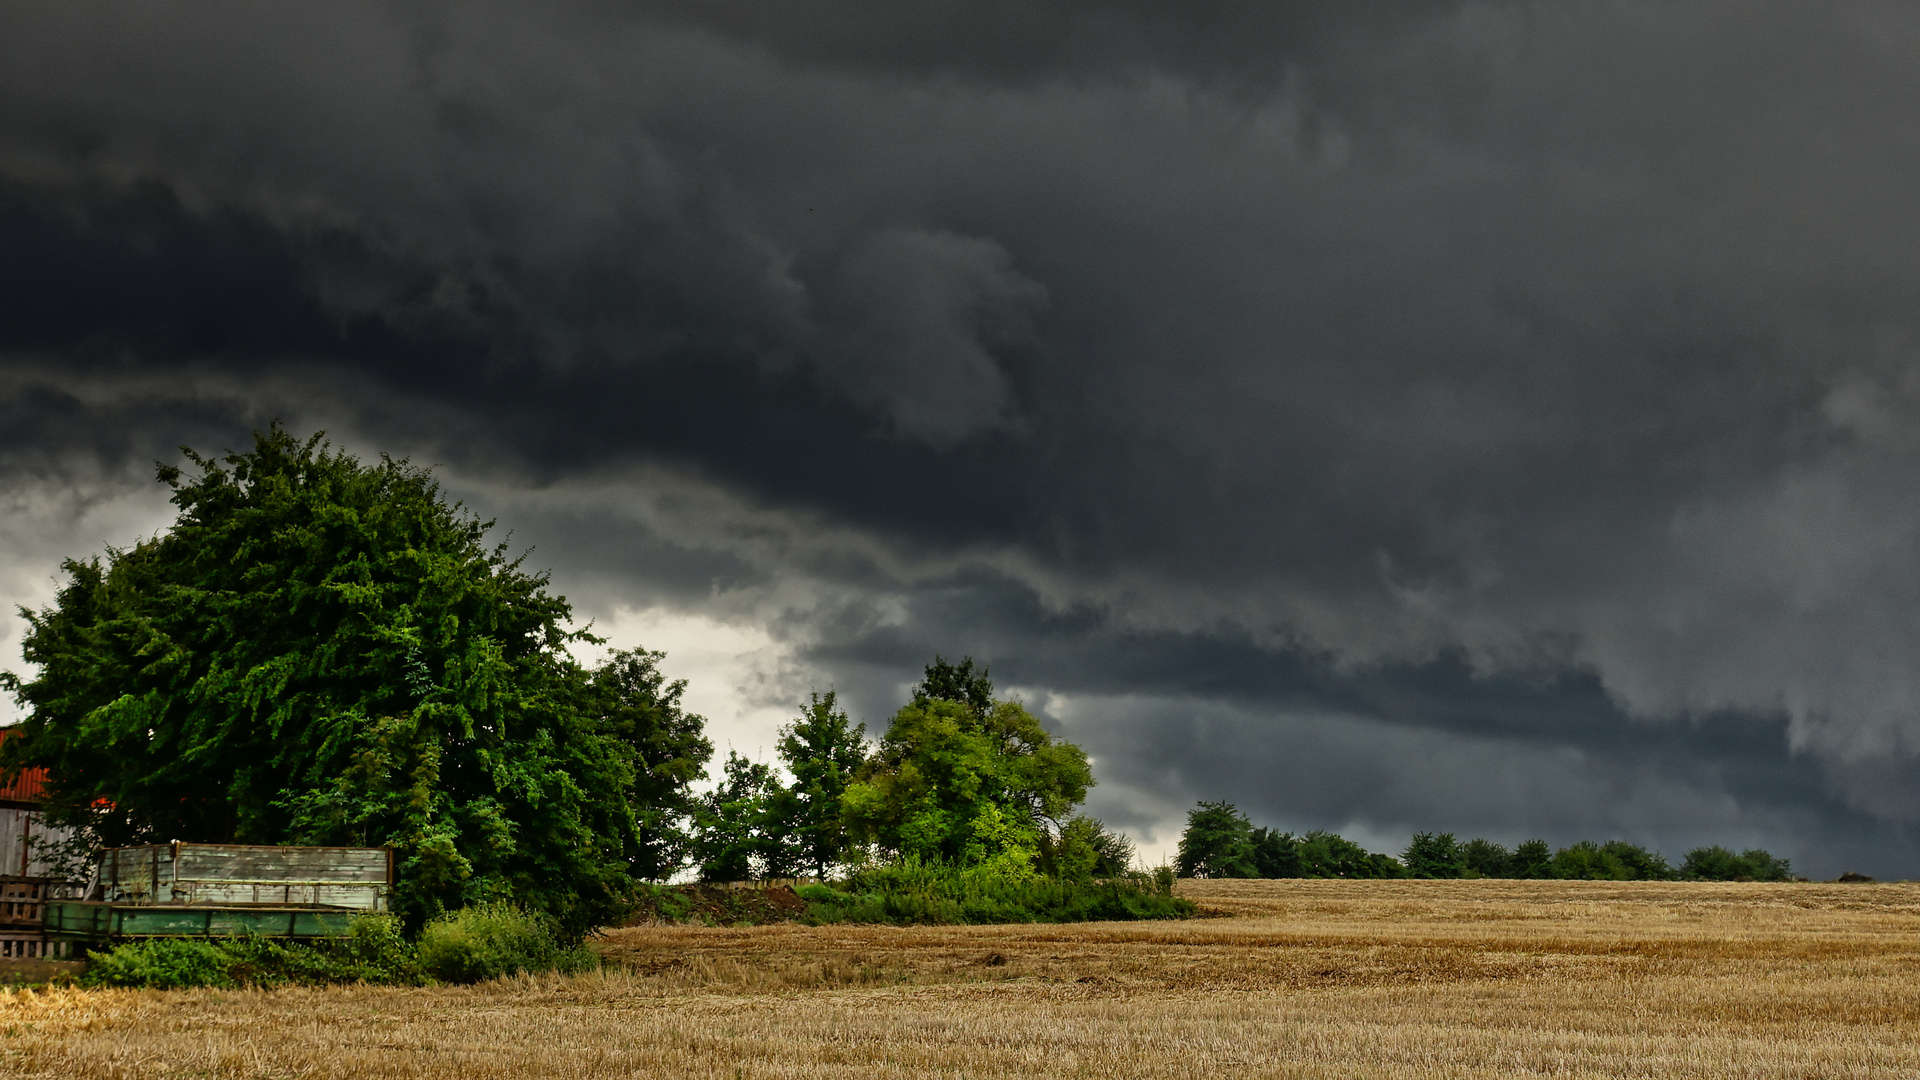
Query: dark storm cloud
{"x": 1364, "y": 385}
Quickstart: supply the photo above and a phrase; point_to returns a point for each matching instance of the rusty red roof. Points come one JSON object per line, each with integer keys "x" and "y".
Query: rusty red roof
{"x": 29, "y": 787}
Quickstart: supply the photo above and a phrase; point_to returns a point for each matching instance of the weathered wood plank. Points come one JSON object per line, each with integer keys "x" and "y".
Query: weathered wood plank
{"x": 150, "y": 870}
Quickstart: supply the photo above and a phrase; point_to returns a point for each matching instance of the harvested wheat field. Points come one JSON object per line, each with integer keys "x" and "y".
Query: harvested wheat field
{"x": 1289, "y": 978}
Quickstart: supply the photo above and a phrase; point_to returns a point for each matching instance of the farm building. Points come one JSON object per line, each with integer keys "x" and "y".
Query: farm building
{"x": 26, "y": 840}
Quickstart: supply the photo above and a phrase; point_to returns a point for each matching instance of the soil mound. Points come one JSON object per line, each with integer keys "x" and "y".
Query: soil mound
{"x": 721, "y": 905}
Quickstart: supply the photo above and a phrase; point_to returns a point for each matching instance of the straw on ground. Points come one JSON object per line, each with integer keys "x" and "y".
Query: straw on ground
{"x": 1298, "y": 978}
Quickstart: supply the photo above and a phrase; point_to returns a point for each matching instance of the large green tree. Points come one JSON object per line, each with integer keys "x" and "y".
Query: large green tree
{"x": 963, "y": 779}
{"x": 324, "y": 651}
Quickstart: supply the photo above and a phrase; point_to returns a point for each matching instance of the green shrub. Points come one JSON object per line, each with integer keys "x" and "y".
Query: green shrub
{"x": 1718, "y": 864}
{"x": 379, "y": 944}
{"x": 162, "y": 964}
{"x": 488, "y": 941}
{"x": 374, "y": 952}
{"x": 915, "y": 892}
{"x": 1588, "y": 861}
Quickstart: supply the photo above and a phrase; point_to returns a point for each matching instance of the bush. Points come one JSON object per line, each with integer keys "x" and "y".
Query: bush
{"x": 488, "y": 941}
{"x": 469, "y": 945}
{"x": 162, "y": 964}
{"x": 1085, "y": 849}
{"x": 374, "y": 952}
{"x": 1718, "y": 864}
{"x": 379, "y": 943}
{"x": 915, "y": 892}
{"x": 1588, "y": 861}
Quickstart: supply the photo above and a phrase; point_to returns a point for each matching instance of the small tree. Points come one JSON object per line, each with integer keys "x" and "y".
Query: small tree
{"x": 629, "y": 698}
{"x": 1113, "y": 853}
{"x": 1533, "y": 859}
{"x": 824, "y": 751}
{"x": 1085, "y": 849}
{"x": 1384, "y": 866}
{"x": 1641, "y": 864}
{"x": 1218, "y": 843}
{"x": 1276, "y": 854}
{"x": 1431, "y": 855}
{"x": 1330, "y": 855}
{"x": 740, "y": 837}
{"x": 1765, "y": 866}
{"x": 1487, "y": 859}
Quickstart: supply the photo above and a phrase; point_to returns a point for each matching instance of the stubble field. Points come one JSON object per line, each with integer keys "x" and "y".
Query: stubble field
{"x": 1289, "y": 978}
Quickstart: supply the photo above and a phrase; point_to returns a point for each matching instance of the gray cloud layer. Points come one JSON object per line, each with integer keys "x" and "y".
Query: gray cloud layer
{"x": 1486, "y": 416}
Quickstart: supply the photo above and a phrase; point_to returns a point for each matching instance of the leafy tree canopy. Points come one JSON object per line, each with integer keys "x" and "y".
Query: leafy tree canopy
{"x": 740, "y": 836}
{"x": 1431, "y": 855}
{"x": 629, "y": 699}
{"x": 323, "y": 651}
{"x": 1484, "y": 858}
{"x": 1719, "y": 864}
{"x": 1277, "y": 854}
{"x": 963, "y": 779}
{"x": 1085, "y": 849}
{"x": 823, "y": 750}
{"x": 963, "y": 683}
{"x": 1218, "y": 843}
{"x": 1532, "y": 859}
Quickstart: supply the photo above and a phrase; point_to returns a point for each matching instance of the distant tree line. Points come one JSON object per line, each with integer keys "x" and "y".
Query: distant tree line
{"x": 1220, "y": 842}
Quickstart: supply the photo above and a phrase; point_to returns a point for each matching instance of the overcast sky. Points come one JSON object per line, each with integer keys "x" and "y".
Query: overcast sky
{"x": 1496, "y": 418}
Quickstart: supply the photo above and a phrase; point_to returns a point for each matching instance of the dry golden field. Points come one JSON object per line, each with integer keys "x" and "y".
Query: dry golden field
{"x": 1293, "y": 978}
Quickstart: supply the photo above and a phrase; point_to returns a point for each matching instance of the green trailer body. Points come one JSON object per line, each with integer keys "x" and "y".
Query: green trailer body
{"x": 97, "y": 920}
